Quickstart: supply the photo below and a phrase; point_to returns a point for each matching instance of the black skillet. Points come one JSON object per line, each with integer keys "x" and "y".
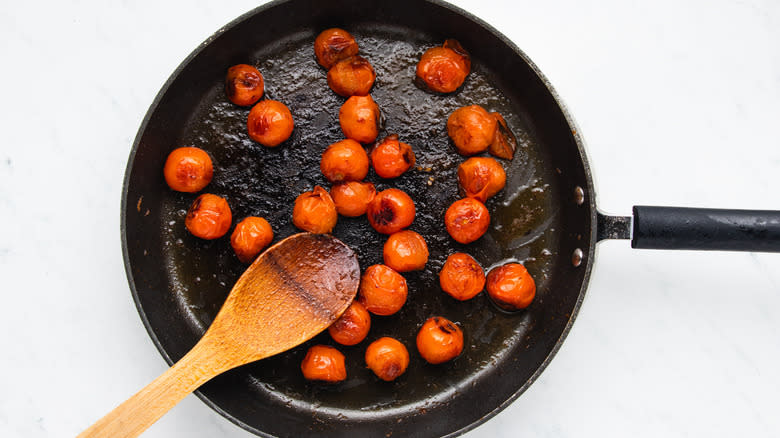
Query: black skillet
{"x": 546, "y": 217}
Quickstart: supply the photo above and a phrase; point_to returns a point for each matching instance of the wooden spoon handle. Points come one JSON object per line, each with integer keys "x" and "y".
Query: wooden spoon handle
{"x": 141, "y": 410}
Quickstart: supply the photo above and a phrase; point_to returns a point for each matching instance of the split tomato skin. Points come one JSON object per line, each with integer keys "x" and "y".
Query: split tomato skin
{"x": 244, "y": 84}
{"x": 333, "y": 45}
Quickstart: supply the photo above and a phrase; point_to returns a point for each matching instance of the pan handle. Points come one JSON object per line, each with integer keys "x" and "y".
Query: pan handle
{"x": 695, "y": 228}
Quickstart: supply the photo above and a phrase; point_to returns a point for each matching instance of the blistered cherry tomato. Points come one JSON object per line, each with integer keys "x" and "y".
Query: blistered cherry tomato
{"x": 244, "y": 84}
{"x": 472, "y": 129}
{"x": 315, "y": 211}
{"x": 467, "y": 220}
{"x": 345, "y": 160}
{"x": 251, "y": 236}
{"x": 351, "y": 76}
{"x": 359, "y": 119}
{"x": 443, "y": 69}
{"x": 270, "y": 123}
{"x": 209, "y": 217}
{"x": 188, "y": 169}
{"x": 391, "y": 158}
{"x": 387, "y": 358}
{"x": 405, "y": 251}
{"x": 352, "y": 197}
{"x": 382, "y": 290}
{"x": 462, "y": 277}
{"x": 511, "y": 286}
{"x": 332, "y": 45}
{"x": 481, "y": 177}
{"x": 439, "y": 340}
{"x": 324, "y": 363}
{"x": 391, "y": 210}
{"x": 353, "y": 325}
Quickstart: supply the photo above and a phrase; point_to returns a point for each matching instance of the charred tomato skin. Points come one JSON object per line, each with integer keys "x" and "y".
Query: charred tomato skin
{"x": 462, "y": 277}
{"x": 391, "y": 211}
{"x": 244, "y": 84}
{"x": 270, "y": 123}
{"x": 333, "y": 45}
{"x": 388, "y": 358}
{"x": 353, "y": 325}
{"x": 439, "y": 340}
{"x": 467, "y": 220}
{"x": 209, "y": 217}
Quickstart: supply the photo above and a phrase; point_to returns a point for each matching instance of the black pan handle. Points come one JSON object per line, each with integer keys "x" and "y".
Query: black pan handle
{"x": 695, "y": 228}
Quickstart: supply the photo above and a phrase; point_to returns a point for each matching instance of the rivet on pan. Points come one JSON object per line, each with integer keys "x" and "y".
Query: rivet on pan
{"x": 579, "y": 195}
{"x": 576, "y": 257}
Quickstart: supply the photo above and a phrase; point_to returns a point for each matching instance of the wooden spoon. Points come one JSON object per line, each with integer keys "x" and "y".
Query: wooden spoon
{"x": 292, "y": 292}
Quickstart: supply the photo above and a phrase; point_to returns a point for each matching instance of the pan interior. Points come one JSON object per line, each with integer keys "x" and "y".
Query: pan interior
{"x": 181, "y": 281}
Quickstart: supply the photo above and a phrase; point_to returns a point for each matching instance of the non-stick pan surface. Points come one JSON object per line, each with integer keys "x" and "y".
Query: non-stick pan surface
{"x": 179, "y": 281}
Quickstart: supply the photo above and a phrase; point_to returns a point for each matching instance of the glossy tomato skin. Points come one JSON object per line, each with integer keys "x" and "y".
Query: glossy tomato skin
{"x": 439, "y": 340}
{"x": 244, "y": 84}
{"x": 353, "y": 325}
{"x": 315, "y": 211}
{"x": 209, "y": 217}
{"x": 388, "y": 358}
{"x": 332, "y": 45}
{"x": 472, "y": 129}
{"x": 359, "y": 118}
{"x": 383, "y": 291}
{"x": 481, "y": 178}
{"x": 345, "y": 160}
{"x": 325, "y": 364}
{"x": 391, "y": 211}
{"x": 188, "y": 169}
{"x": 270, "y": 123}
{"x": 351, "y": 76}
{"x": 352, "y": 197}
{"x": 405, "y": 251}
{"x": 250, "y": 237}
{"x": 462, "y": 277}
{"x": 391, "y": 158}
{"x": 467, "y": 220}
{"x": 444, "y": 69}
{"x": 511, "y": 287}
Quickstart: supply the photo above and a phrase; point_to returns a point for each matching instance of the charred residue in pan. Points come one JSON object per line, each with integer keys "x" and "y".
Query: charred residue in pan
{"x": 264, "y": 182}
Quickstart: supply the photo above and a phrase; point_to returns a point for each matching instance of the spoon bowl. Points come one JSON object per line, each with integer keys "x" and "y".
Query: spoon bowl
{"x": 290, "y": 293}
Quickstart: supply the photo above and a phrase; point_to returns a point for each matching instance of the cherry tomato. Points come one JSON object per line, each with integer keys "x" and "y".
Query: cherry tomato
{"x": 387, "y": 358}
{"x": 462, "y": 277}
{"x": 359, "y": 119}
{"x": 439, "y": 340}
{"x": 391, "y": 210}
{"x": 352, "y": 197}
{"x": 467, "y": 220}
{"x": 209, "y": 217}
{"x": 405, "y": 251}
{"x": 443, "y": 69}
{"x": 481, "y": 178}
{"x": 332, "y": 45}
{"x": 511, "y": 286}
{"x": 324, "y": 363}
{"x": 244, "y": 84}
{"x": 382, "y": 290}
{"x": 391, "y": 158}
{"x": 351, "y": 76}
{"x": 472, "y": 129}
{"x": 270, "y": 123}
{"x": 315, "y": 211}
{"x": 188, "y": 169}
{"x": 345, "y": 160}
{"x": 251, "y": 236}
{"x": 352, "y": 327}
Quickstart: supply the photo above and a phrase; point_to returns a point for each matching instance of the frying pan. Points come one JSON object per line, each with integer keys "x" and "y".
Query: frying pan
{"x": 545, "y": 218}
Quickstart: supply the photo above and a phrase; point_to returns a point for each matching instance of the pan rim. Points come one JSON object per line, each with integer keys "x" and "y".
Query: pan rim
{"x": 589, "y": 203}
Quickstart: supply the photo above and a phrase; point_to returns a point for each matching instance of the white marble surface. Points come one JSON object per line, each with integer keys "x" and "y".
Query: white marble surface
{"x": 679, "y": 102}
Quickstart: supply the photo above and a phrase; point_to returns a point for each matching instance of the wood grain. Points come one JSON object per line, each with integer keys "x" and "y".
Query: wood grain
{"x": 292, "y": 292}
